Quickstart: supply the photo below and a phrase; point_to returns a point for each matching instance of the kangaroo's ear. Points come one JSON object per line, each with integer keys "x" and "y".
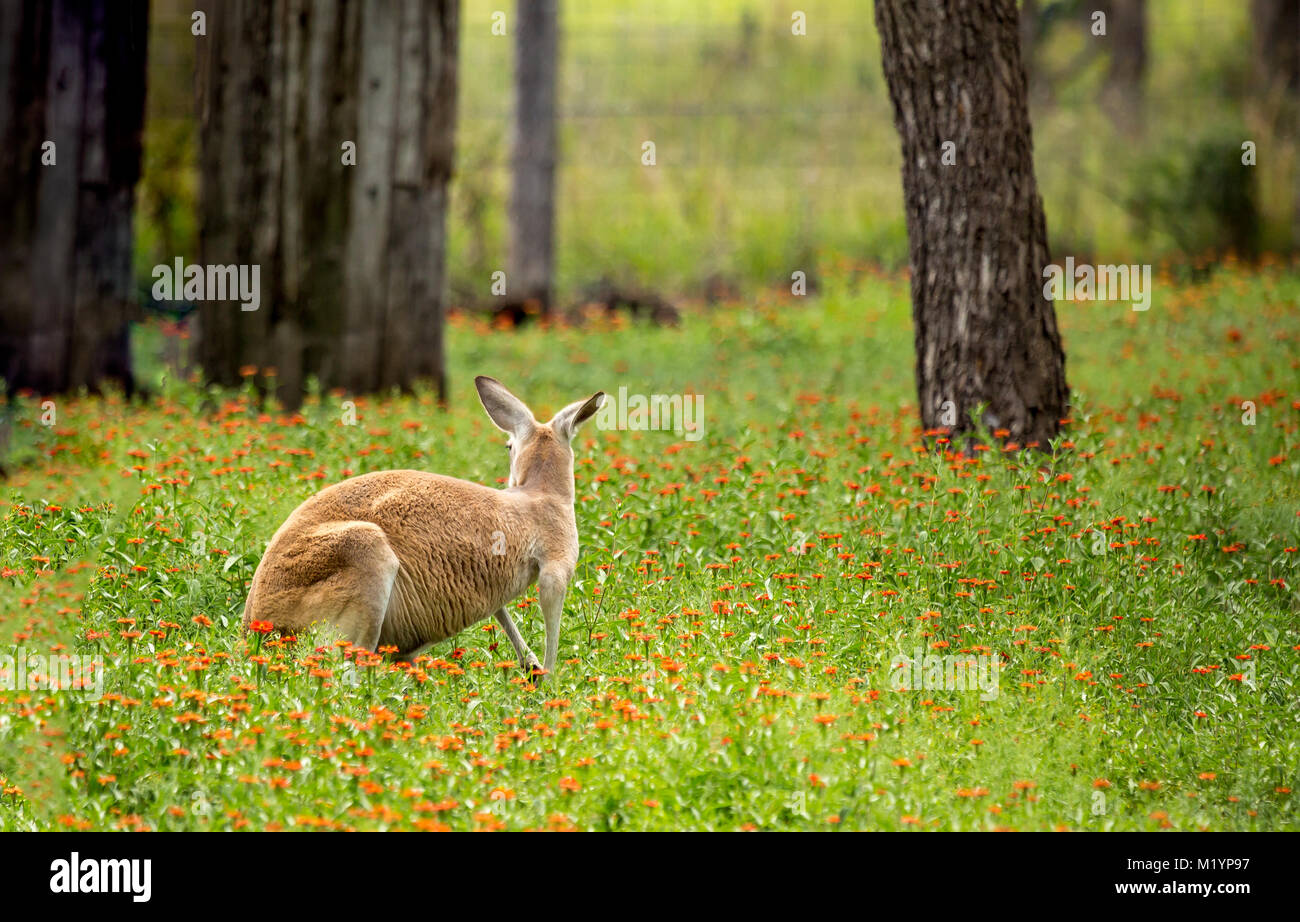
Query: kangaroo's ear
{"x": 567, "y": 421}
{"x": 507, "y": 411}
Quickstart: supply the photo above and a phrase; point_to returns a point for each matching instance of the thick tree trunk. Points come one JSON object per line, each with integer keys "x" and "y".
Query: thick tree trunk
{"x": 350, "y": 246}
{"x": 985, "y": 332}
{"x": 236, "y": 158}
{"x": 532, "y": 197}
{"x": 1124, "y": 93}
{"x": 1030, "y": 23}
{"x": 73, "y": 74}
{"x": 1277, "y": 43}
{"x": 1276, "y": 25}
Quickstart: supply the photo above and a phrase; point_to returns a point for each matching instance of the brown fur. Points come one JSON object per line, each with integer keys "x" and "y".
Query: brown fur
{"x": 407, "y": 558}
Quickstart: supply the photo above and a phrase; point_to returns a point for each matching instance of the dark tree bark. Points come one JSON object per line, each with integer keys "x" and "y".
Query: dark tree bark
{"x": 532, "y": 196}
{"x": 351, "y": 256}
{"x": 73, "y": 74}
{"x": 1277, "y": 43}
{"x": 1126, "y": 34}
{"x": 238, "y": 220}
{"x": 985, "y": 332}
{"x": 1276, "y": 25}
{"x": 1030, "y": 23}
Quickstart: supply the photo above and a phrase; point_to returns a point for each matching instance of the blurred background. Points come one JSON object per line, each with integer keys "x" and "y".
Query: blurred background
{"x": 775, "y": 152}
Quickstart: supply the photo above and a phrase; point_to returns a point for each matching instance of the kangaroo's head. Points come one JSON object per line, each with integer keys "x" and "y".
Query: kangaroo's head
{"x": 541, "y": 456}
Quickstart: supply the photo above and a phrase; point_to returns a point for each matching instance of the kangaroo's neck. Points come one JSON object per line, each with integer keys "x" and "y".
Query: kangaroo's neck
{"x": 548, "y": 483}
{"x": 545, "y": 468}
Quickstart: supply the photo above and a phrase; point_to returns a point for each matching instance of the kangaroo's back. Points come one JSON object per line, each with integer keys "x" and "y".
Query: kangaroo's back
{"x": 462, "y": 550}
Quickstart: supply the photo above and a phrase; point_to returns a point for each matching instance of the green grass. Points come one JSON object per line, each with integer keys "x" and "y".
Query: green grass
{"x": 709, "y": 677}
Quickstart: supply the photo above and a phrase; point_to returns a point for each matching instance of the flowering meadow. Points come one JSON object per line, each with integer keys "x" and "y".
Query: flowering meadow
{"x": 733, "y": 636}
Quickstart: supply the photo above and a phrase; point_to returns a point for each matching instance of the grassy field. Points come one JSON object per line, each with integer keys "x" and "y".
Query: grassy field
{"x": 728, "y": 639}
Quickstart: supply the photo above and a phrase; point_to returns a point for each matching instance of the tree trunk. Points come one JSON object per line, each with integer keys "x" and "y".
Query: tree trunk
{"x": 1276, "y": 25}
{"x": 1124, "y": 94}
{"x": 533, "y": 146}
{"x": 73, "y": 74}
{"x": 985, "y": 331}
{"x": 237, "y": 217}
{"x": 1277, "y": 42}
{"x": 350, "y": 246}
{"x": 1030, "y": 24}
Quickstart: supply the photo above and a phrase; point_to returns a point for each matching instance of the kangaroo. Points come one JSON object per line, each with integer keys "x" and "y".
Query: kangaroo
{"x": 405, "y": 559}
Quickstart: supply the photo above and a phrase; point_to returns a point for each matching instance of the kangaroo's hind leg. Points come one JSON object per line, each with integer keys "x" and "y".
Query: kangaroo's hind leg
{"x": 340, "y": 573}
{"x": 526, "y": 657}
{"x": 359, "y": 591}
